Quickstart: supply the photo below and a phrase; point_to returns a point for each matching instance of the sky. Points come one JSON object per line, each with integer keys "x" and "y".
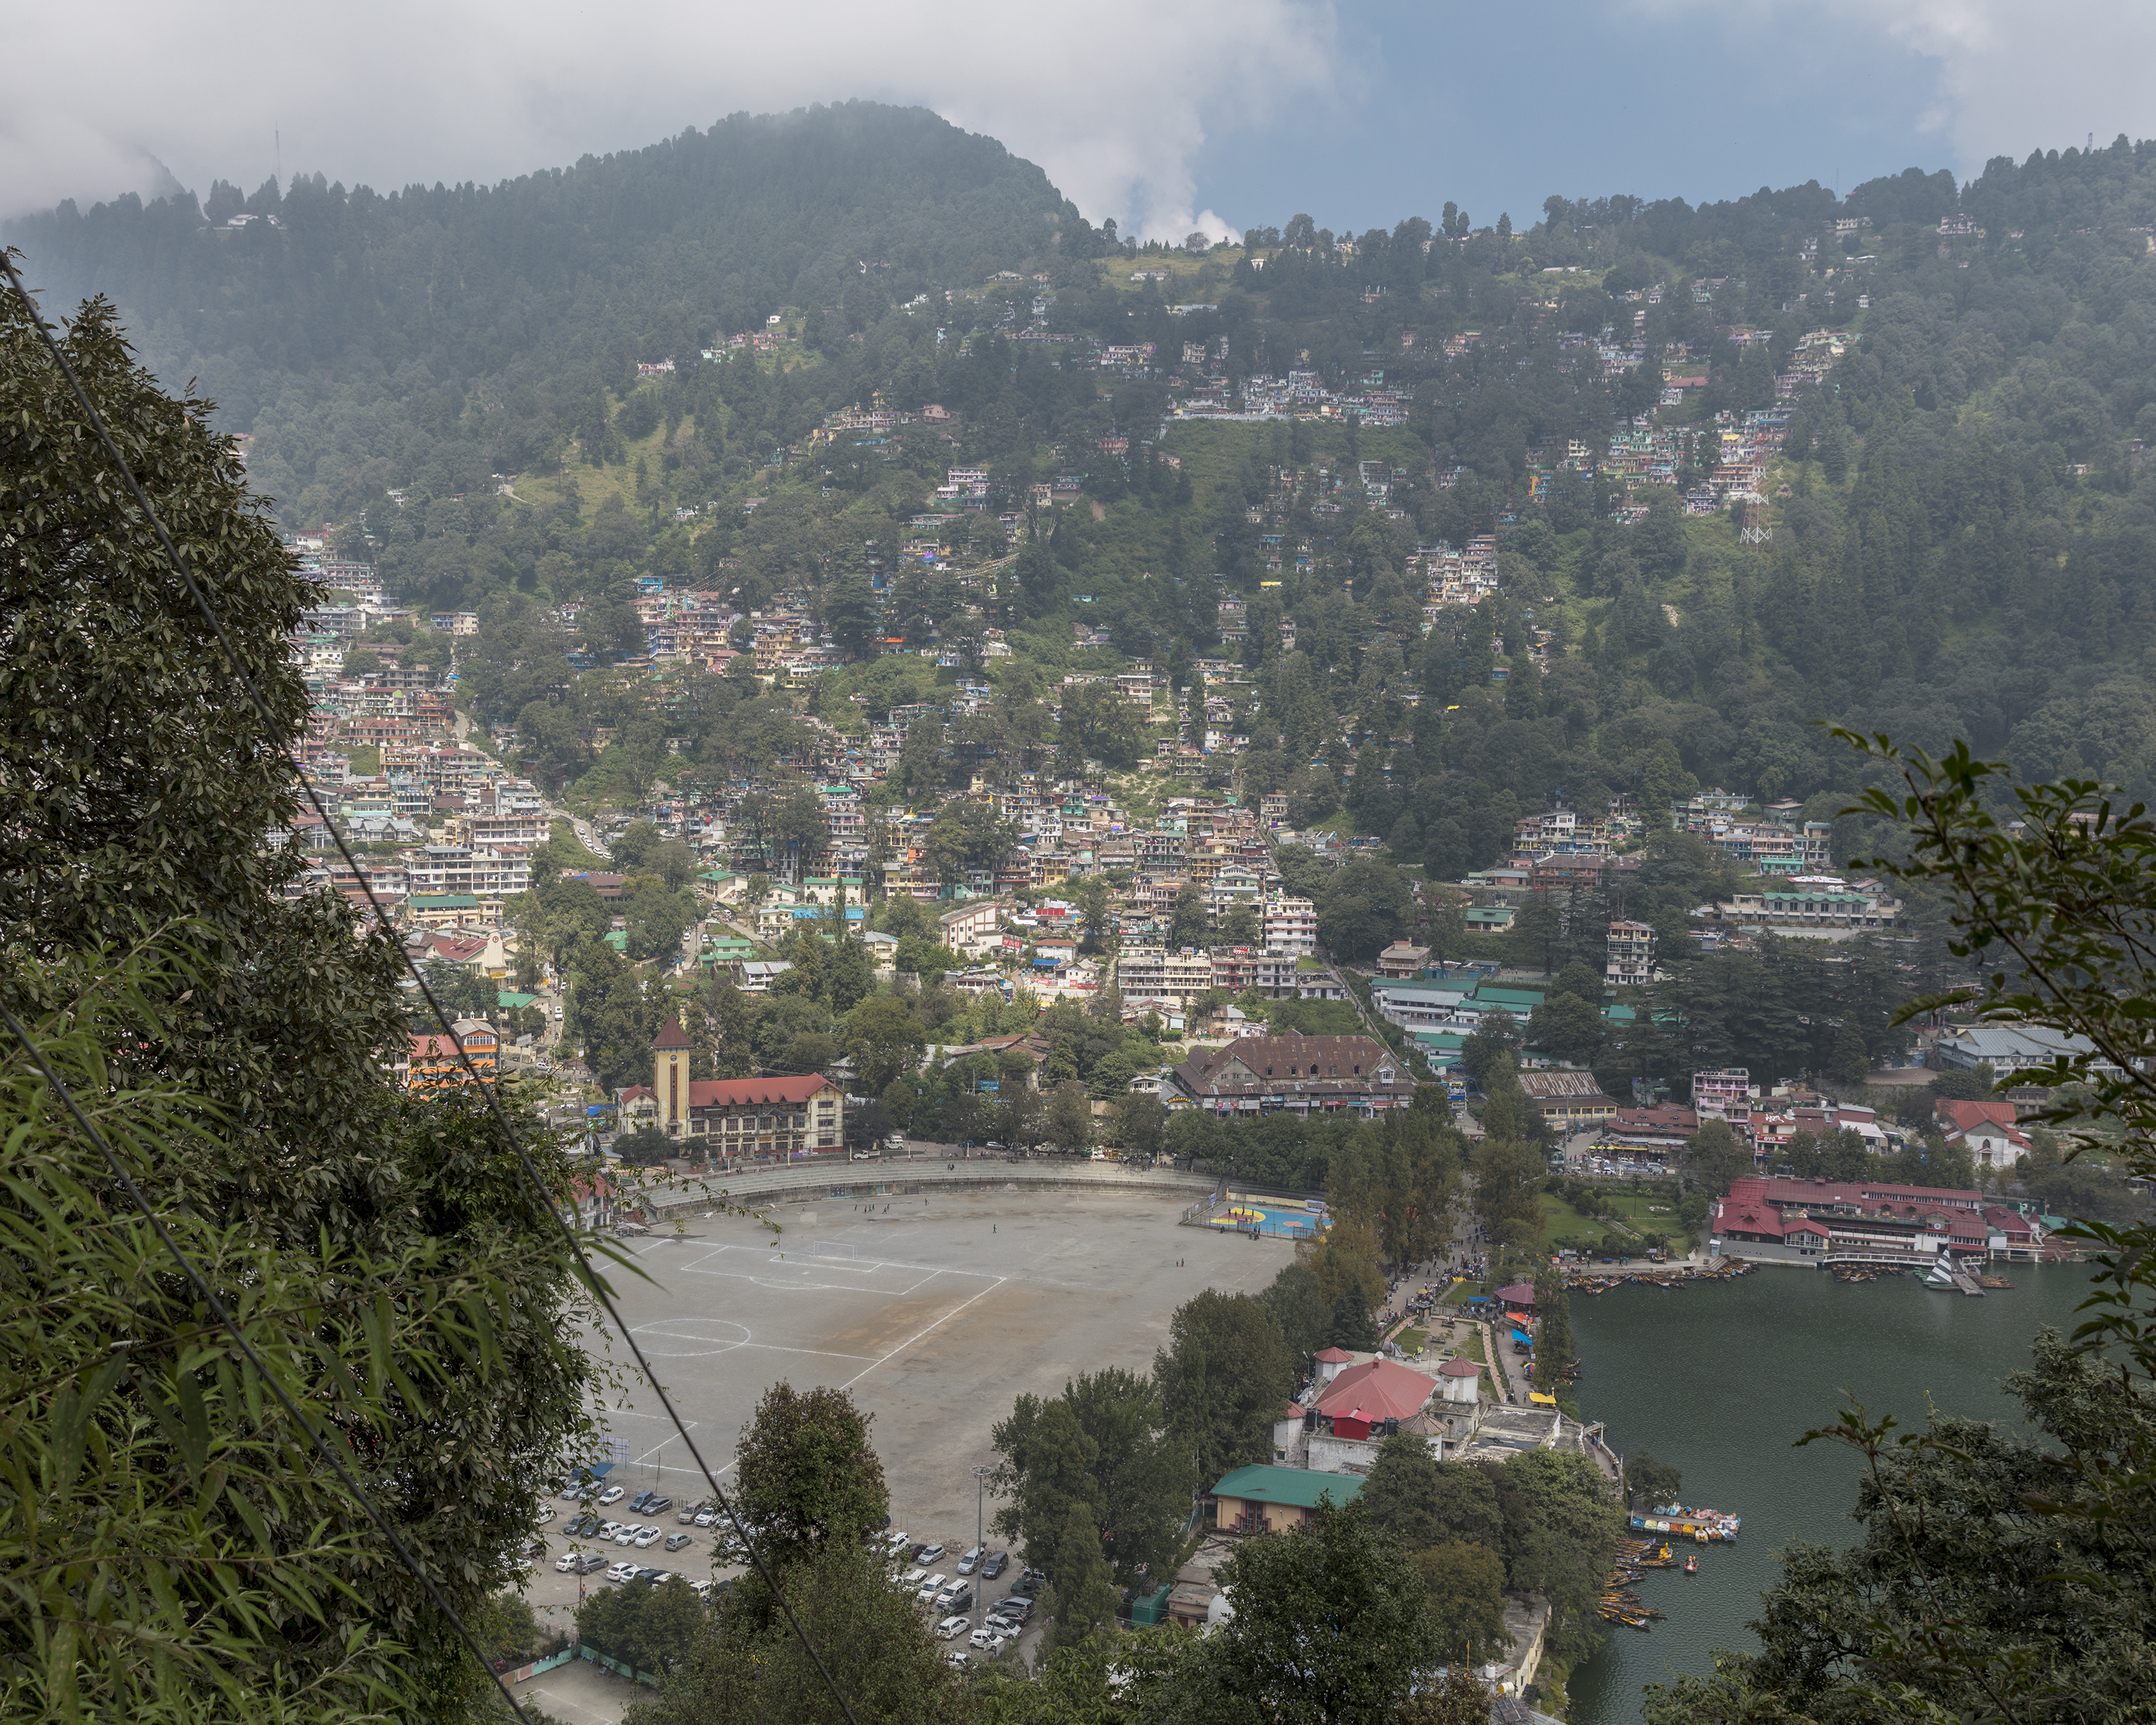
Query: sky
{"x": 1168, "y": 114}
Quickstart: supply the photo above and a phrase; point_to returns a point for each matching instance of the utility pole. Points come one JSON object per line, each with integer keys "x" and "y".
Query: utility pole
{"x": 980, "y": 1543}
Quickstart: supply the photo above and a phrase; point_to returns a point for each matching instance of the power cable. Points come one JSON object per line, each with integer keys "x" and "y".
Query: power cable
{"x": 247, "y": 1349}
{"x": 380, "y": 924}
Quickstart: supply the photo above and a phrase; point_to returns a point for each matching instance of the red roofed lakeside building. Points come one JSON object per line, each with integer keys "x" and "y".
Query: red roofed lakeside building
{"x": 1813, "y": 1221}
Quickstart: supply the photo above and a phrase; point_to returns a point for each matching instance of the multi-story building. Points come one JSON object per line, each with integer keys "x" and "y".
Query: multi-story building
{"x": 1160, "y": 973}
{"x": 1726, "y": 1094}
{"x": 1239, "y": 969}
{"x": 1811, "y": 1220}
{"x": 1301, "y": 1075}
{"x": 1631, "y": 952}
{"x": 1821, "y": 903}
{"x": 779, "y": 1118}
{"x": 437, "y": 1062}
{"x": 1290, "y": 925}
{"x": 488, "y": 875}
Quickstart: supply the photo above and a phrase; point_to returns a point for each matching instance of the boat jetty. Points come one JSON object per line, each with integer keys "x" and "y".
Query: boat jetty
{"x": 1583, "y": 1279}
{"x": 1703, "y": 1526}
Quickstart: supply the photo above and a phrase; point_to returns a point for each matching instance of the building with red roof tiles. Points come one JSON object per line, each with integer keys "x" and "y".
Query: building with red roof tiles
{"x": 1987, "y": 1128}
{"x": 776, "y": 1118}
{"x": 439, "y": 1062}
{"x": 1814, "y": 1220}
{"x": 1384, "y": 1389}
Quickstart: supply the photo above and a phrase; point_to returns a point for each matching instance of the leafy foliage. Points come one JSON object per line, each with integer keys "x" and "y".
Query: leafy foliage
{"x": 383, "y": 1251}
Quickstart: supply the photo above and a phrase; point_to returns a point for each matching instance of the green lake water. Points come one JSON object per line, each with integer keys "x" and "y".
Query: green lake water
{"x": 1720, "y": 1378}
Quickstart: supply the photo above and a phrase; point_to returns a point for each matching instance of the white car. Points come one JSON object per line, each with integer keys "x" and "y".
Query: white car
{"x": 956, "y": 1656}
{"x": 930, "y": 1554}
{"x": 612, "y": 1494}
{"x": 608, "y": 1529}
{"x": 707, "y": 1517}
{"x": 647, "y": 1536}
{"x": 628, "y": 1534}
{"x": 951, "y": 1628}
{"x": 546, "y": 1513}
{"x": 621, "y": 1572}
{"x": 970, "y": 1559}
{"x": 899, "y": 1540}
{"x": 913, "y": 1577}
{"x": 931, "y": 1585}
{"x": 987, "y": 1640}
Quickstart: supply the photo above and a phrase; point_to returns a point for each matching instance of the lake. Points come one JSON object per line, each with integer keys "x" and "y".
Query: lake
{"x": 1720, "y": 1378}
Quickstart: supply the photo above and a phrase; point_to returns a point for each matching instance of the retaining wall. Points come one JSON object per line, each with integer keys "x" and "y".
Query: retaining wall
{"x": 769, "y": 1188}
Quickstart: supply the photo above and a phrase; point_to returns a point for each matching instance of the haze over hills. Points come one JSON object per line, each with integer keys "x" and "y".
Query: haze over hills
{"x": 1960, "y": 519}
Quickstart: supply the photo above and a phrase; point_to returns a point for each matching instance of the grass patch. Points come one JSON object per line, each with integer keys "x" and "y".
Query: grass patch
{"x": 569, "y": 850}
{"x": 365, "y": 761}
{"x": 1472, "y": 1348}
{"x": 1560, "y": 1218}
{"x": 1412, "y": 1341}
{"x": 1457, "y": 1294}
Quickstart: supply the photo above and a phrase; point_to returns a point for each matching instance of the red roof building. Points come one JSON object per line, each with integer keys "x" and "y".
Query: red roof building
{"x": 776, "y": 1119}
{"x": 1855, "y": 1219}
{"x": 1518, "y": 1297}
{"x": 1383, "y": 1389}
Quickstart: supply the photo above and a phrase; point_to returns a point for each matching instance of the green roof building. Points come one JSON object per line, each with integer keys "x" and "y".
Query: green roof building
{"x": 1262, "y": 1499}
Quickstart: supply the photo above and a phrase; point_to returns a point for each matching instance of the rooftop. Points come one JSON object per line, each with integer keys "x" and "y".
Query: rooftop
{"x": 1297, "y": 1488}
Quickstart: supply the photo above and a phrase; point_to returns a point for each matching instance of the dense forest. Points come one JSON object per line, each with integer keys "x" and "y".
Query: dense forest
{"x": 1961, "y": 518}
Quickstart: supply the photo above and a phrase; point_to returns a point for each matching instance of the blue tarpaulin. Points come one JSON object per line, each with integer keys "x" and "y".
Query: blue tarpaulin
{"x": 1522, "y": 1336}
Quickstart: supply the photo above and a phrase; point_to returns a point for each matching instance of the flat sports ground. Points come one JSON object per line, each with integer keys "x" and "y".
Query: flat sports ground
{"x": 935, "y": 1312}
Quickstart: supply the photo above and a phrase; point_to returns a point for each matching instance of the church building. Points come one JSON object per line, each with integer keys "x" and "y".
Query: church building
{"x": 778, "y": 1117}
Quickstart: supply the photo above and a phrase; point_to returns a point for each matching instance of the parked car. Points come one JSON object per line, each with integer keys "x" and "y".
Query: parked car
{"x": 1029, "y": 1581}
{"x": 612, "y": 1494}
{"x": 690, "y": 1511}
{"x": 998, "y": 1561}
{"x": 927, "y": 1553}
{"x": 956, "y": 1656}
{"x": 930, "y": 1587}
{"x": 674, "y": 1542}
{"x": 898, "y": 1540}
{"x": 656, "y": 1504}
{"x": 953, "y": 1627}
{"x": 592, "y": 1561}
{"x": 630, "y": 1530}
{"x": 913, "y": 1577}
{"x": 969, "y": 1560}
{"x": 653, "y": 1577}
{"x": 1018, "y": 1607}
{"x": 956, "y": 1597}
{"x": 642, "y": 1502}
{"x": 620, "y": 1572}
{"x": 567, "y": 1561}
{"x": 646, "y": 1536}
{"x": 707, "y": 1517}
{"x": 546, "y": 1513}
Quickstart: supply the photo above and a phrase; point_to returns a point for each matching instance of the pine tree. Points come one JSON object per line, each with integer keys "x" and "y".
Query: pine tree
{"x": 1352, "y": 1327}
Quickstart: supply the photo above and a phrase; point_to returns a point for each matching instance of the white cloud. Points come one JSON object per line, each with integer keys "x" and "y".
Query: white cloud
{"x": 2016, "y": 77}
{"x": 2010, "y": 76}
{"x": 1114, "y": 99}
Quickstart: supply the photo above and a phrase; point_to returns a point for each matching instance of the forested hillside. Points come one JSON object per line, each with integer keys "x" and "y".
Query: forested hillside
{"x": 1960, "y": 510}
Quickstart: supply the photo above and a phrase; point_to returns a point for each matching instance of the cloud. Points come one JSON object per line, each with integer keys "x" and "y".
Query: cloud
{"x": 2015, "y": 77}
{"x": 1114, "y": 99}
{"x": 2006, "y": 76}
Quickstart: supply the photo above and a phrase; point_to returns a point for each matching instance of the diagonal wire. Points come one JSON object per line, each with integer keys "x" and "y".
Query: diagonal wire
{"x": 381, "y": 923}
{"x": 202, "y": 1287}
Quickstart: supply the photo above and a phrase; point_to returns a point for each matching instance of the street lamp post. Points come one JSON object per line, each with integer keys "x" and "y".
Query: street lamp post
{"x": 980, "y": 1542}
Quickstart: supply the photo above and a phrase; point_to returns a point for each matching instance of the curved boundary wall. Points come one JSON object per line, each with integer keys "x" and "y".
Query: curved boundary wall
{"x": 776, "y": 1186}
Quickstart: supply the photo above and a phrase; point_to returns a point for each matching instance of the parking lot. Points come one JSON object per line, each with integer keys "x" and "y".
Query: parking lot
{"x": 934, "y": 1312}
